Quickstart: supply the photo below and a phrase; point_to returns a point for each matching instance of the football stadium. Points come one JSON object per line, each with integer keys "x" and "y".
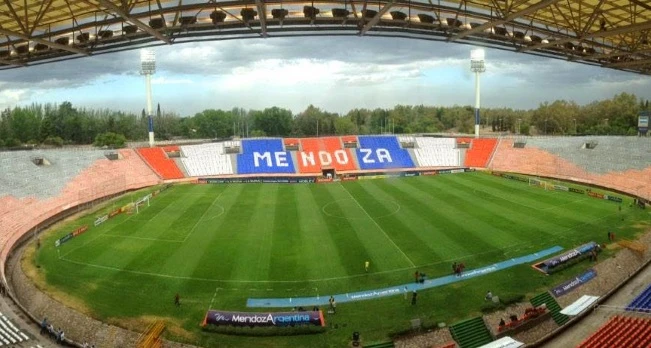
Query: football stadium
{"x": 375, "y": 239}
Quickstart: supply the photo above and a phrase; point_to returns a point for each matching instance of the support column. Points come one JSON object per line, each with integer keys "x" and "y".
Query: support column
{"x": 149, "y": 110}
{"x": 477, "y": 118}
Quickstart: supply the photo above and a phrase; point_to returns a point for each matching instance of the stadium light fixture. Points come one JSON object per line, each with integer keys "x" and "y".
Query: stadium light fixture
{"x": 147, "y": 62}
{"x": 478, "y": 66}
{"x": 148, "y": 68}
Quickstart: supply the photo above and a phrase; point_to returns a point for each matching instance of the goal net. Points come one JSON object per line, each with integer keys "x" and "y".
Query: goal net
{"x": 541, "y": 183}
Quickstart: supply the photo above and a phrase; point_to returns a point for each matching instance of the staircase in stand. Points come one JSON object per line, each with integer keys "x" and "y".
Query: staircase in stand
{"x": 552, "y": 306}
{"x": 471, "y": 333}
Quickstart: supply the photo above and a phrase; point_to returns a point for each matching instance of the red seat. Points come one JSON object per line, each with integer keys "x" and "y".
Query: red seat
{"x": 319, "y": 153}
{"x": 158, "y": 161}
{"x": 621, "y": 331}
{"x": 480, "y": 152}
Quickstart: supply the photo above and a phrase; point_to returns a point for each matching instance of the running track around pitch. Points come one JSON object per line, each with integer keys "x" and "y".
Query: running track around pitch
{"x": 398, "y": 289}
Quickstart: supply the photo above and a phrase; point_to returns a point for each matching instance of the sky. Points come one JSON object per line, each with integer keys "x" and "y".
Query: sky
{"x": 333, "y": 73}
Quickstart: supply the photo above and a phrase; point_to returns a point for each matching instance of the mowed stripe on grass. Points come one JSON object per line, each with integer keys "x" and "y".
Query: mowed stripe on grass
{"x": 236, "y": 241}
{"x": 311, "y": 232}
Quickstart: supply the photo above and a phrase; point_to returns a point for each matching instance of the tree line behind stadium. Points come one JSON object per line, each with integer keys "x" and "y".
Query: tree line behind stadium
{"x": 63, "y": 124}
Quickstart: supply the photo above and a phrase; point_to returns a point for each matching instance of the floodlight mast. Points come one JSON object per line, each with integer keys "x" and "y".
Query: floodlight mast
{"x": 477, "y": 66}
{"x": 148, "y": 68}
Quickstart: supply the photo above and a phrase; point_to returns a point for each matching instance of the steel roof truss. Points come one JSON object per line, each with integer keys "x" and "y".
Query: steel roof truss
{"x": 511, "y": 17}
{"x": 375, "y": 18}
{"x": 262, "y": 15}
{"x": 126, "y": 16}
{"x": 15, "y": 16}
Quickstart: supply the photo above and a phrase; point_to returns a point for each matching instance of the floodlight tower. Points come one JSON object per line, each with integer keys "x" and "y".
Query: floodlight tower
{"x": 148, "y": 68}
{"x": 477, "y": 66}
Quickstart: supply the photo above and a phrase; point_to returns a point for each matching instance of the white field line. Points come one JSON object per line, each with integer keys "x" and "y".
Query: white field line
{"x": 560, "y": 234}
{"x": 213, "y": 297}
{"x": 144, "y": 238}
{"x": 203, "y": 215}
{"x": 568, "y": 203}
{"x": 378, "y": 226}
{"x": 528, "y": 206}
{"x": 161, "y": 275}
{"x": 107, "y": 234}
{"x": 98, "y": 236}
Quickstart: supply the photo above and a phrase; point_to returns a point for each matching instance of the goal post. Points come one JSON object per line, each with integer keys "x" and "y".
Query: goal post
{"x": 541, "y": 183}
{"x": 142, "y": 202}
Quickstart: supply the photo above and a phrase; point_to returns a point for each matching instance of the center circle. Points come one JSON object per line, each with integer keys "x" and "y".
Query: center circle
{"x": 338, "y": 207}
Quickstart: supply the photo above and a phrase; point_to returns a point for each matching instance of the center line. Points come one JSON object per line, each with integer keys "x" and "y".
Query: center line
{"x": 378, "y": 226}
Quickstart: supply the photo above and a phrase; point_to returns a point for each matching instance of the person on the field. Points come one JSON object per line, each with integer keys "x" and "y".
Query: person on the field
{"x": 414, "y": 295}
{"x": 333, "y": 305}
{"x": 489, "y": 296}
{"x": 177, "y": 299}
{"x": 367, "y": 264}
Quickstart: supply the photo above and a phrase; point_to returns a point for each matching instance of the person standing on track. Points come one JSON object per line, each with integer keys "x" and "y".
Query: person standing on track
{"x": 177, "y": 299}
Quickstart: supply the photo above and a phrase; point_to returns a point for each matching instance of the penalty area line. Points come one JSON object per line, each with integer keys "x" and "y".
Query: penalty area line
{"x": 213, "y": 298}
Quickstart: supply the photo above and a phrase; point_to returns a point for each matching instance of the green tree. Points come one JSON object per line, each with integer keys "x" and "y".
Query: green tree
{"x": 307, "y": 122}
{"x": 111, "y": 140}
{"x": 273, "y": 121}
{"x": 25, "y": 124}
{"x": 213, "y": 124}
{"x": 53, "y": 141}
{"x": 344, "y": 125}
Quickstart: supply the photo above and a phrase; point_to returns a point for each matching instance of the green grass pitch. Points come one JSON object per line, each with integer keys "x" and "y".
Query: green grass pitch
{"x": 217, "y": 245}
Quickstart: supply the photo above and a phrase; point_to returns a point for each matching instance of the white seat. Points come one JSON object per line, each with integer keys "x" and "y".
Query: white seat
{"x": 206, "y": 159}
{"x": 437, "y": 152}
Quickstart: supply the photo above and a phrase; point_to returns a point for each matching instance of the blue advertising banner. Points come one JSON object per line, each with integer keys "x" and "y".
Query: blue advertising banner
{"x": 572, "y": 284}
{"x": 277, "y": 319}
{"x": 63, "y": 239}
{"x": 549, "y": 264}
{"x": 70, "y": 235}
{"x": 257, "y": 179}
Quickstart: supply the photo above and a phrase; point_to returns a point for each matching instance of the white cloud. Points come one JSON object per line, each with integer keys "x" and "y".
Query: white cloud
{"x": 170, "y": 81}
{"x": 335, "y": 73}
{"x": 11, "y": 97}
{"x": 306, "y": 73}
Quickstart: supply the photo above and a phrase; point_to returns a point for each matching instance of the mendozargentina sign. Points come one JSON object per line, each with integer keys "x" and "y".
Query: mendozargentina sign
{"x": 279, "y": 319}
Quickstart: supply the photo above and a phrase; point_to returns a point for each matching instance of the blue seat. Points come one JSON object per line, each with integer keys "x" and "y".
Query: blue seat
{"x": 642, "y": 302}
{"x": 264, "y": 156}
{"x": 382, "y": 152}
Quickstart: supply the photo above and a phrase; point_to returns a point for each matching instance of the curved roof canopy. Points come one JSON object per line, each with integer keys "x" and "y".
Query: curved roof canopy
{"x": 610, "y": 33}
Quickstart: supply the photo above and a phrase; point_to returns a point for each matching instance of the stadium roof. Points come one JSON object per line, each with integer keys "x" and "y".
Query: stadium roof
{"x": 609, "y": 33}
